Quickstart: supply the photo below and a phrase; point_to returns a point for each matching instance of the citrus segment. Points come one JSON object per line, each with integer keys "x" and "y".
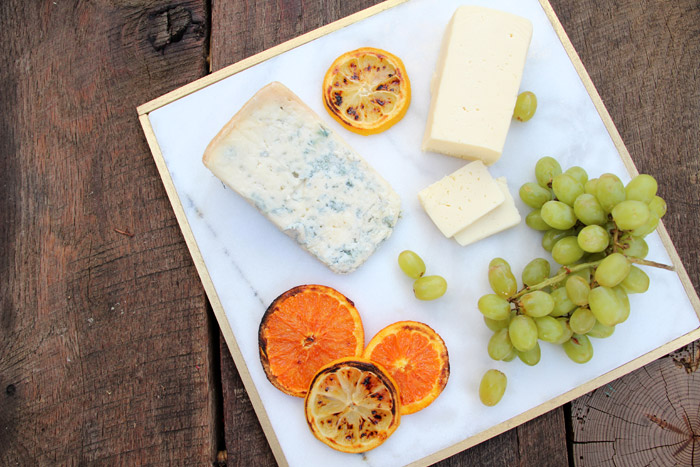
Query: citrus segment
{"x": 304, "y": 329}
{"x": 352, "y": 405}
{"x": 416, "y": 357}
{"x": 367, "y": 90}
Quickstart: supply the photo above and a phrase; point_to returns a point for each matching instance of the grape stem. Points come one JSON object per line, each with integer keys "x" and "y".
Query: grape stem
{"x": 554, "y": 279}
{"x": 647, "y": 262}
{"x": 572, "y": 269}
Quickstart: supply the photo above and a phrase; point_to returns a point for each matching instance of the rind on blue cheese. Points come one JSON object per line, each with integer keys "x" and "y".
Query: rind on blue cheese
{"x": 278, "y": 155}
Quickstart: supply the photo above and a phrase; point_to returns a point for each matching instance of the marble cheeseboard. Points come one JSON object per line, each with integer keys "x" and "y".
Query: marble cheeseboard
{"x": 245, "y": 262}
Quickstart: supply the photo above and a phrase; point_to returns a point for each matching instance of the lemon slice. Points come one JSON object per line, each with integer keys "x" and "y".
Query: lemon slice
{"x": 367, "y": 90}
{"x": 352, "y": 405}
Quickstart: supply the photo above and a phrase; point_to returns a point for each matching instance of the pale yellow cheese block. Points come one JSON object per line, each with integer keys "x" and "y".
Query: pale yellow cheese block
{"x": 459, "y": 199}
{"x": 476, "y": 83}
{"x": 503, "y": 217}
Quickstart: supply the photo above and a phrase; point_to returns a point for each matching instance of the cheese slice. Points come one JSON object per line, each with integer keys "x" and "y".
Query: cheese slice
{"x": 476, "y": 83}
{"x": 279, "y": 156}
{"x": 503, "y": 217}
{"x": 459, "y": 199}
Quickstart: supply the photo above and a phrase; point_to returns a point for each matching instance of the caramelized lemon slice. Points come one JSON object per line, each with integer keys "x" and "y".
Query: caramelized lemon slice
{"x": 352, "y": 405}
{"x": 367, "y": 90}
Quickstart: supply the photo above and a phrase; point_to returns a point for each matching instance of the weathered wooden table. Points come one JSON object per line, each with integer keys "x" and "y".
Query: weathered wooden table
{"x": 109, "y": 352}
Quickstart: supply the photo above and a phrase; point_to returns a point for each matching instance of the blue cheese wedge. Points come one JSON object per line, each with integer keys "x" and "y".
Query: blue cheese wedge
{"x": 459, "y": 199}
{"x": 476, "y": 83}
{"x": 503, "y": 217}
{"x": 278, "y": 155}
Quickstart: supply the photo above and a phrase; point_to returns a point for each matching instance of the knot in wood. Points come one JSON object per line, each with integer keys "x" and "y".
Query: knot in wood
{"x": 169, "y": 26}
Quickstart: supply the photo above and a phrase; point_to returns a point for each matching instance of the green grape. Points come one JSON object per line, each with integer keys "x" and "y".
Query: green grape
{"x": 582, "y": 320}
{"x": 584, "y": 273}
{"x": 429, "y": 287}
{"x": 499, "y": 346}
{"x": 590, "y": 186}
{"x": 605, "y": 305}
{"x": 566, "y": 188}
{"x": 577, "y": 288}
{"x": 578, "y": 174}
{"x": 630, "y": 214}
{"x": 551, "y": 237}
{"x": 566, "y": 330}
{"x": 593, "y": 257}
{"x": 535, "y": 271}
{"x": 523, "y": 332}
{"x": 492, "y": 387}
{"x": 624, "y": 301}
{"x": 566, "y": 251}
{"x": 535, "y": 222}
{"x": 494, "y": 307}
{"x": 610, "y": 191}
{"x": 642, "y": 188}
{"x": 588, "y": 210}
{"x": 534, "y": 195}
{"x": 525, "y": 106}
{"x": 601, "y": 331}
{"x": 593, "y": 239}
{"x": 648, "y": 227}
{"x": 532, "y": 356}
{"x": 562, "y": 303}
{"x": 496, "y": 324}
{"x": 635, "y": 247}
{"x": 558, "y": 215}
{"x": 537, "y": 303}
{"x": 549, "y": 329}
{"x": 545, "y": 170}
{"x": 411, "y": 264}
{"x": 636, "y": 281}
{"x": 612, "y": 270}
{"x": 501, "y": 278}
{"x": 658, "y": 206}
{"x": 511, "y": 356}
{"x": 578, "y": 348}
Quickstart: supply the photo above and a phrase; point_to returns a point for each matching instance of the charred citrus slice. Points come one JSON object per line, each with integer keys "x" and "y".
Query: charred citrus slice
{"x": 367, "y": 90}
{"x": 304, "y": 329}
{"x": 352, "y": 405}
{"x": 416, "y": 357}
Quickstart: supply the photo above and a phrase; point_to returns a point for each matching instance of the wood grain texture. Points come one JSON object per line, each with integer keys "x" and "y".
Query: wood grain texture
{"x": 104, "y": 335}
{"x": 643, "y": 59}
{"x": 244, "y": 28}
{"x": 648, "y": 417}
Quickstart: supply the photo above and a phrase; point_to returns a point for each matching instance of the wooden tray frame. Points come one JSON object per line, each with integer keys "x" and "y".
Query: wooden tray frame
{"x": 143, "y": 114}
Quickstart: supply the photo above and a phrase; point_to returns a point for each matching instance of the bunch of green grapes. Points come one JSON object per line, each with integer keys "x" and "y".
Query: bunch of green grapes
{"x": 594, "y": 229}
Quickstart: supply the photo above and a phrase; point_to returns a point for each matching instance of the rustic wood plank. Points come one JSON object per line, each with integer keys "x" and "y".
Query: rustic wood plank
{"x": 244, "y": 28}
{"x": 104, "y": 354}
{"x": 649, "y": 417}
{"x": 643, "y": 59}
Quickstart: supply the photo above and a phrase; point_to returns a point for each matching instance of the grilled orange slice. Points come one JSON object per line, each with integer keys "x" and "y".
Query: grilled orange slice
{"x": 416, "y": 357}
{"x": 352, "y": 405}
{"x": 304, "y": 329}
{"x": 367, "y": 90}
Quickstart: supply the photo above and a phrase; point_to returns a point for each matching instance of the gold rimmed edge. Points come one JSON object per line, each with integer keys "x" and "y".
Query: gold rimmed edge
{"x": 220, "y": 314}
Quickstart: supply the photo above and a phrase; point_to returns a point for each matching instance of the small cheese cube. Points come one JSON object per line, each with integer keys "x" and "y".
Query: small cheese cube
{"x": 476, "y": 83}
{"x": 503, "y": 217}
{"x": 461, "y": 198}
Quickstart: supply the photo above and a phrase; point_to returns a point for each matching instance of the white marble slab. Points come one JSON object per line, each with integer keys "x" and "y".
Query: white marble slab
{"x": 250, "y": 262}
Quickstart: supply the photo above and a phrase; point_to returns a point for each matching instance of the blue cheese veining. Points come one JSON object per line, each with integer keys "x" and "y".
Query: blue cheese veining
{"x": 278, "y": 155}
